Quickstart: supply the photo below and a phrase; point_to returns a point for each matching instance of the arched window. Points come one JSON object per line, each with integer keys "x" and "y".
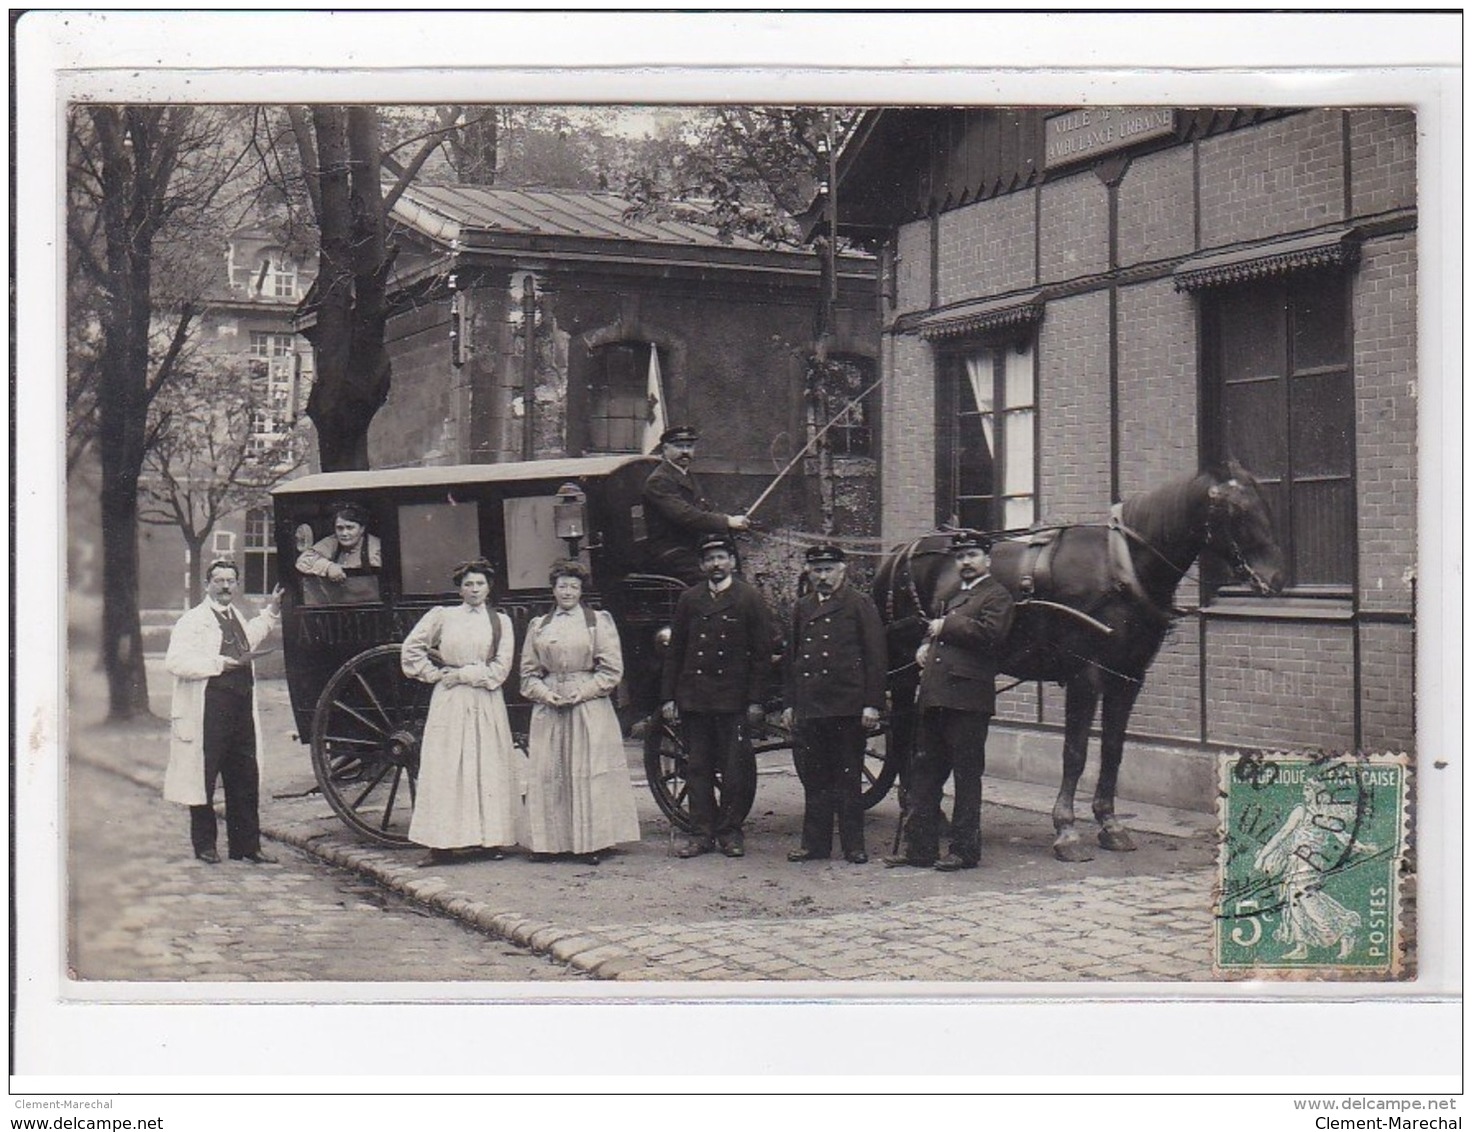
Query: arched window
{"x": 273, "y": 275}
{"x": 283, "y": 278}
{"x": 621, "y": 381}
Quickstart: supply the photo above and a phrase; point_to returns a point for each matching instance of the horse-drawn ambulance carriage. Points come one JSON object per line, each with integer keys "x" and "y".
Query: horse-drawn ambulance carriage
{"x": 342, "y": 630}
{"x": 1094, "y": 604}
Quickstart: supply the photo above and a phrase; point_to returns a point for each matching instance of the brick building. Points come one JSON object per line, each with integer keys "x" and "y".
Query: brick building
{"x": 1079, "y": 304}
{"x": 632, "y": 323}
{"x": 247, "y": 321}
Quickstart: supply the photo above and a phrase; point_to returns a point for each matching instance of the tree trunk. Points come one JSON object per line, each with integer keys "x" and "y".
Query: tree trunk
{"x": 121, "y": 441}
{"x": 352, "y": 365}
{"x": 473, "y": 149}
{"x": 194, "y": 548}
{"x": 122, "y": 632}
{"x": 123, "y": 405}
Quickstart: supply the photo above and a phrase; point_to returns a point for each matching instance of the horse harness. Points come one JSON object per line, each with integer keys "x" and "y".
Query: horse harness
{"x": 1035, "y": 573}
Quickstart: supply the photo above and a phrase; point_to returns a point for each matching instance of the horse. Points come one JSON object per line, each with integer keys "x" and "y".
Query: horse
{"x": 1094, "y": 604}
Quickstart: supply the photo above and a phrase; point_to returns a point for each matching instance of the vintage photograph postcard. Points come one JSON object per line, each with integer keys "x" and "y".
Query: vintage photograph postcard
{"x": 532, "y": 542}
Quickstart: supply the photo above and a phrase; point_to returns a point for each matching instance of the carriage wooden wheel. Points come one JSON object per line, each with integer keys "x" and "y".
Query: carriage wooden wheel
{"x": 365, "y": 743}
{"x": 667, "y": 772}
{"x": 880, "y": 769}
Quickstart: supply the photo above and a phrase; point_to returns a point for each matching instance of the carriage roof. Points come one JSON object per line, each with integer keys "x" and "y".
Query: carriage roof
{"x": 448, "y": 475}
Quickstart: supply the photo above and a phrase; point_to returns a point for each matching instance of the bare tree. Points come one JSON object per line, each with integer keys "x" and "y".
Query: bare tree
{"x": 220, "y": 445}
{"x": 140, "y": 181}
{"x": 343, "y": 165}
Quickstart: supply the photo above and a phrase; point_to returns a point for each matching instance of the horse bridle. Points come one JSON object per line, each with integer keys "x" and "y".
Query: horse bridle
{"x": 1218, "y": 505}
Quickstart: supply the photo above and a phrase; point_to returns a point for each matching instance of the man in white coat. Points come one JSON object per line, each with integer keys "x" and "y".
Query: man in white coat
{"x": 215, "y": 732}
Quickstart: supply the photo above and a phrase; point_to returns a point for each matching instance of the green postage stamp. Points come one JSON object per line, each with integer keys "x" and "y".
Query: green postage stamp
{"x": 1311, "y": 876}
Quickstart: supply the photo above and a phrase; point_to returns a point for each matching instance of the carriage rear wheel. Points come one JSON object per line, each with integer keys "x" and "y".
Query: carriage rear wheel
{"x": 877, "y": 773}
{"x": 366, "y": 733}
{"x": 667, "y": 770}
{"x": 881, "y": 766}
{"x": 879, "y": 769}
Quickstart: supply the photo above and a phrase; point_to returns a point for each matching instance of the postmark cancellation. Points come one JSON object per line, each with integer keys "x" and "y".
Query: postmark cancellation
{"x": 1313, "y": 879}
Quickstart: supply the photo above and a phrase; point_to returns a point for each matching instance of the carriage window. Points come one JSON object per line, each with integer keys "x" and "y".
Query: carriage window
{"x": 988, "y": 423}
{"x": 532, "y": 544}
{"x": 434, "y": 538}
{"x": 337, "y": 556}
{"x": 1280, "y": 399}
{"x": 623, "y": 378}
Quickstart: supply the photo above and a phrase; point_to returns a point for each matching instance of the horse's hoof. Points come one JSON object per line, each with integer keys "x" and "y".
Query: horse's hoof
{"x": 1072, "y": 849}
{"x": 1117, "y": 840}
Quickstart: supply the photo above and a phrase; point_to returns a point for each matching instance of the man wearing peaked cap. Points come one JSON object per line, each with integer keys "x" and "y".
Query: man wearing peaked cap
{"x": 835, "y": 675}
{"x": 676, "y": 511}
{"x": 958, "y": 696}
{"x": 969, "y": 540}
{"x": 683, "y": 434}
{"x": 716, "y": 670}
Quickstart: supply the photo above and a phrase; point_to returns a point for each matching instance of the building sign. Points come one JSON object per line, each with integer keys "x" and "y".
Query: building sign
{"x": 1093, "y": 131}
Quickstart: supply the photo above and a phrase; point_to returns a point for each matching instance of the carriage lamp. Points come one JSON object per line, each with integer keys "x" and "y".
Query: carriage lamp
{"x": 569, "y": 516}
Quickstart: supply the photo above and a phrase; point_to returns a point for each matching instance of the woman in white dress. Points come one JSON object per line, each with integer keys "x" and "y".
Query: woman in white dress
{"x": 579, "y": 797}
{"x": 469, "y": 792}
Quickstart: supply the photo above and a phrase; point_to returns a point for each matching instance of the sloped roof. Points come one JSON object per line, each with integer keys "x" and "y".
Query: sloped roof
{"x": 550, "y": 212}
{"x": 454, "y": 475}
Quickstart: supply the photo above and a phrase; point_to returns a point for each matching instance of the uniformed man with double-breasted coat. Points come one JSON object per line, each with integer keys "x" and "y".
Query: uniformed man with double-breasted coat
{"x": 716, "y": 672}
{"x": 677, "y": 515}
{"x": 835, "y": 677}
{"x": 958, "y": 696}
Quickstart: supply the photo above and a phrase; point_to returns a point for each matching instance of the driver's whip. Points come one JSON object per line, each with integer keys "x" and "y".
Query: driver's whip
{"x": 803, "y": 451}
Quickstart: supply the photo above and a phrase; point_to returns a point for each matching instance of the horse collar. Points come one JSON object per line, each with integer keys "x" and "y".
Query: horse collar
{"x": 1122, "y": 562}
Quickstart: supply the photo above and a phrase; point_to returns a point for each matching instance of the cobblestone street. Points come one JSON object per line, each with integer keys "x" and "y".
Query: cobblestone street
{"x": 143, "y": 909}
{"x": 1138, "y": 930}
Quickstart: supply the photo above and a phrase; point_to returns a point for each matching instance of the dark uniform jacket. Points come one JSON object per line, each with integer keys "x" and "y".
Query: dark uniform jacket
{"x": 720, "y": 651}
{"x": 836, "y": 659}
{"x": 676, "y": 512}
{"x": 961, "y": 669}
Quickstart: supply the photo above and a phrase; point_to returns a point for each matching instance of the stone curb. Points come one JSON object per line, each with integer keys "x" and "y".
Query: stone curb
{"x": 595, "y": 957}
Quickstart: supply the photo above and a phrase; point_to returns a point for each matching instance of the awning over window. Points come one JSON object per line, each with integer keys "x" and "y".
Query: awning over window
{"x": 980, "y": 317}
{"x": 1338, "y": 247}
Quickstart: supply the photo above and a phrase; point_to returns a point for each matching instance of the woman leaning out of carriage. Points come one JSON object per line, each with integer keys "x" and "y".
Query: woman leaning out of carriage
{"x": 579, "y": 799}
{"x": 469, "y": 789}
